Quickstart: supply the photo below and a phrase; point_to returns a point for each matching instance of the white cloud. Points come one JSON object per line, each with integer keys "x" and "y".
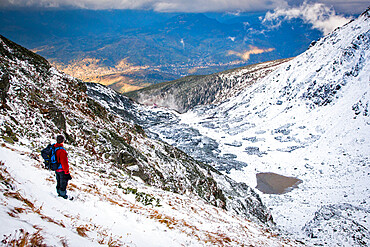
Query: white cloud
{"x": 319, "y": 15}
{"x": 347, "y": 6}
{"x": 231, "y": 38}
{"x": 156, "y": 5}
{"x": 232, "y": 6}
{"x": 216, "y": 5}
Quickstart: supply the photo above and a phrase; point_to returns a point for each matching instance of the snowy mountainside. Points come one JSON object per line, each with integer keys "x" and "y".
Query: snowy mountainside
{"x": 130, "y": 190}
{"x": 187, "y": 92}
{"x": 308, "y": 119}
{"x": 58, "y": 103}
{"x": 105, "y": 212}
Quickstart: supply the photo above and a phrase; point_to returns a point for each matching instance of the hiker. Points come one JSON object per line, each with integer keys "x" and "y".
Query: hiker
{"x": 62, "y": 173}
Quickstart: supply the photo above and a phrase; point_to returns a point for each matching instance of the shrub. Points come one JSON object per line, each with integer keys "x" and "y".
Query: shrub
{"x": 142, "y": 197}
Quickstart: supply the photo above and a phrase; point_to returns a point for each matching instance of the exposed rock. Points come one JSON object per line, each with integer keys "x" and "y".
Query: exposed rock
{"x": 4, "y": 87}
{"x": 254, "y": 151}
{"x": 97, "y": 109}
{"x": 14, "y": 51}
{"x": 347, "y": 225}
{"x": 125, "y": 158}
{"x": 56, "y": 115}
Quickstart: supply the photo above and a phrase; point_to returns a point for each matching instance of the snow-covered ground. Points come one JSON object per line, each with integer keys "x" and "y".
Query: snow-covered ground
{"x": 310, "y": 120}
{"x": 103, "y": 214}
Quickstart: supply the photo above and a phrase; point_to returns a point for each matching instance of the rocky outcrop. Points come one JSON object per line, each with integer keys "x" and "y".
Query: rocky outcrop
{"x": 4, "y": 87}
{"x": 347, "y": 225}
{"x": 13, "y": 51}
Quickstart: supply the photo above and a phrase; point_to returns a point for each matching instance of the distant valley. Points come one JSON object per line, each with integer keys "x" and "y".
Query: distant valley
{"x": 128, "y": 50}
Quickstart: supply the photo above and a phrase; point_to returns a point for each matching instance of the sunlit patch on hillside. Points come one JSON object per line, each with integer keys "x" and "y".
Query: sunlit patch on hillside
{"x": 253, "y": 50}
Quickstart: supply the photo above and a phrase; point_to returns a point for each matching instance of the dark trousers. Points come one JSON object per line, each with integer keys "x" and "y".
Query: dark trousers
{"x": 62, "y": 182}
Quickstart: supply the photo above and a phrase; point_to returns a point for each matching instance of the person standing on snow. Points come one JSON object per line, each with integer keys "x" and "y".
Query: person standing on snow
{"x": 62, "y": 173}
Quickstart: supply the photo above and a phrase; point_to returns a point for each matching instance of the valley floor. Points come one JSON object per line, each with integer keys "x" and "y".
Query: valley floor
{"x": 329, "y": 155}
{"x": 332, "y": 173}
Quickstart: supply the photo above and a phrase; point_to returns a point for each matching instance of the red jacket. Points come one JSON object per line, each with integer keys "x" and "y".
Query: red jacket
{"x": 62, "y": 158}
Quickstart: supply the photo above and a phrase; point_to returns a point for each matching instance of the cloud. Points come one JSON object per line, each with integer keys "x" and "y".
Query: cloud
{"x": 156, "y": 5}
{"x": 232, "y": 6}
{"x": 216, "y": 5}
{"x": 319, "y": 15}
{"x": 253, "y": 50}
{"x": 83, "y": 4}
{"x": 347, "y": 6}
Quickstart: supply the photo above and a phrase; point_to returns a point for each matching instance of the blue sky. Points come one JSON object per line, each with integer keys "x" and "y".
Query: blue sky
{"x": 340, "y": 6}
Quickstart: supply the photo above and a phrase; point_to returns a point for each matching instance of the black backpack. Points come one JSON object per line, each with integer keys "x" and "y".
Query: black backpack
{"x": 50, "y": 158}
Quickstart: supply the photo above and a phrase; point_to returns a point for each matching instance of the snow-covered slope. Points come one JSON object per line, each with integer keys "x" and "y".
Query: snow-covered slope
{"x": 109, "y": 211}
{"x": 130, "y": 190}
{"x": 308, "y": 119}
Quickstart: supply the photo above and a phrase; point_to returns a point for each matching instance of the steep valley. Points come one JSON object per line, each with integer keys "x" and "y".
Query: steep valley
{"x": 308, "y": 119}
{"x": 130, "y": 189}
{"x": 271, "y": 154}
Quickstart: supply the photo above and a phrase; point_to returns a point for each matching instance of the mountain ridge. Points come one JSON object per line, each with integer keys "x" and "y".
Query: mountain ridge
{"x": 188, "y": 92}
{"x": 294, "y": 121}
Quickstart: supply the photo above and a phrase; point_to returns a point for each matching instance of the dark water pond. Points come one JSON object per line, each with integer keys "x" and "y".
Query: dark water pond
{"x": 272, "y": 183}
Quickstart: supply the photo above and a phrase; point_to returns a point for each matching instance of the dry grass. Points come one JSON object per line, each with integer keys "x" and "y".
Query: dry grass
{"x": 113, "y": 243}
{"x": 50, "y": 179}
{"x": 47, "y": 218}
{"x": 5, "y": 177}
{"x": 105, "y": 238}
{"x": 21, "y": 238}
{"x": 16, "y": 195}
{"x": 29, "y": 206}
{"x": 214, "y": 238}
{"x": 14, "y": 212}
{"x": 64, "y": 242}
{"x": 72, "y": 187}
{"x": 81, "y": 230}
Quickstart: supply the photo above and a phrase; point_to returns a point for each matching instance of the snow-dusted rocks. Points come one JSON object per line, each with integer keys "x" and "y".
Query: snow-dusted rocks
{"x": 344, "y": 223}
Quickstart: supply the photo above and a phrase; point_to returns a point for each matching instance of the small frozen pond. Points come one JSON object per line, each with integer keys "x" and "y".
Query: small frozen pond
{"x": 272, "y": 183}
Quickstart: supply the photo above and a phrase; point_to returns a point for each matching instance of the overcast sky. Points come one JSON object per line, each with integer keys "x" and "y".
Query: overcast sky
{"x": 341, "y": 6}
